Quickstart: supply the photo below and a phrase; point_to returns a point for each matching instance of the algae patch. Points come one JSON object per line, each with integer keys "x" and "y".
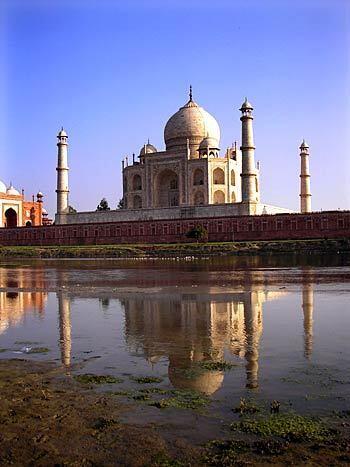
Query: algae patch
{"x": 146, "y": 379}
{"x": 216, "y": 366}
{"x": 88, "y": 378}
{"x": 290, "y": 426}
{"x": 38, "y": 350}
{"x": 182, "y": 399}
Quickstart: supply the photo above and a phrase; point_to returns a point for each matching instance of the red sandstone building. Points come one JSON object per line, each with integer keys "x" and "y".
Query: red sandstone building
{"x": 17, "y": 212}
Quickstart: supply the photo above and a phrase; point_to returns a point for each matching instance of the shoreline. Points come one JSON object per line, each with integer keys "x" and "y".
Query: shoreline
{"x": 182, "y": 250}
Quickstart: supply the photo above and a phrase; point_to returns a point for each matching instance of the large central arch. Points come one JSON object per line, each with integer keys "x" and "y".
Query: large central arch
{"x": 167, "y": 189}
{"x": 11, "y": 217}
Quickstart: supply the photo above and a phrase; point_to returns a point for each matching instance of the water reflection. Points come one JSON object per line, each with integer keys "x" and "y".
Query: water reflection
{"x": 185, "y": 329}
{"x": 65, "y": 327}
{"x": 15, "y": 302}
{"x": 196, "y": 328}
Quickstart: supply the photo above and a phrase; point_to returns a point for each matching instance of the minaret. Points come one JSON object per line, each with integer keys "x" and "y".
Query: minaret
{"x": 248, "y": 175}
{"x": 62, "y": 174}
{"x": 305, "y": 194}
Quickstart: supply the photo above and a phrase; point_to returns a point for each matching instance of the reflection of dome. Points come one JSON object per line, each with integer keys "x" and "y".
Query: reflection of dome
{"x": 209, "y": 142}
{"x": 190, "y": 122}
{"x": 207, "y": 383}
{"x": 11, "y": 190}
{"x": 147, "y": 149}
{"x": 2, "y": 187}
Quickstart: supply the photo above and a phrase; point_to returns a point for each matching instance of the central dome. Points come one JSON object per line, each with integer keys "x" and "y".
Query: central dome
{"x": 190, "y": 122}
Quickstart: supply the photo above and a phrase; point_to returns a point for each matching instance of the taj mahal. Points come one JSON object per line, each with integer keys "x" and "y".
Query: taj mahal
{"x": 190, "y": 177}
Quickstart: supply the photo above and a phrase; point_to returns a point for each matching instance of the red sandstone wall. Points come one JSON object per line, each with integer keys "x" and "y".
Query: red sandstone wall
{"x": 35, "y": 212}
{"x": 335, "y": 224}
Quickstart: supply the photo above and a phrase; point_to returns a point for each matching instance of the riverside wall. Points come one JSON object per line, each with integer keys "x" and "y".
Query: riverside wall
{"x": 331, "y": 224}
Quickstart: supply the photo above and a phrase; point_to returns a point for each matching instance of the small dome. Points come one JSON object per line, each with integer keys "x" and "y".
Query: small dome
{"x": 44, "y": 212}
{"x": 208, "y": 141}
{"x": 304, "y": 145}
{"x": 62, "y": 133}
{"x": 2, "y": 187}
{"x": 148, "y": 149}
{"x": 11, "y": 190}
{"x": 246, "y": 105}
{"x": 190, "y": 122}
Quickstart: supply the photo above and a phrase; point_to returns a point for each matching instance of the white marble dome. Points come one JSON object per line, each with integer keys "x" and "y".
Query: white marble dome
{"x": 208, "y": 141}
{"x": 147, "y": 149}
{"x": 11, "y": 190}
{"x": 190, "y": 122}
{"x": 2, "y": 187}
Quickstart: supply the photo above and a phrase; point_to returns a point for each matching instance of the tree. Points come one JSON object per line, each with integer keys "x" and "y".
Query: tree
{"x": 120, "y": 204}
{"x": 199, "y": 233}
{"x": 103, "y": 206}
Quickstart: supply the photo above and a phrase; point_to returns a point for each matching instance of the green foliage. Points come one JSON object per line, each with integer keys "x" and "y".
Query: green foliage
{"x": 198, "y": 233}
{"x": 88, "y": 378}
{"x": 120, "y": 204}
{"x": 103, "y": 206}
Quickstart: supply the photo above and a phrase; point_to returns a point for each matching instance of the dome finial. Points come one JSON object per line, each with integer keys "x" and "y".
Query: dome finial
{"x": 190, "y": 92}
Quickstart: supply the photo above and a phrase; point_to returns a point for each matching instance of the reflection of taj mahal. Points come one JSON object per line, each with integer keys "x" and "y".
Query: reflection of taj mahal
{"x": 185, "y": 329}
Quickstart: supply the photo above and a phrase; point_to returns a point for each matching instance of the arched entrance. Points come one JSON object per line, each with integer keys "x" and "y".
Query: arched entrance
{"x": 219, "y": 197}
{"x": 167, "y": 189}
{"x": 11, "y": 218}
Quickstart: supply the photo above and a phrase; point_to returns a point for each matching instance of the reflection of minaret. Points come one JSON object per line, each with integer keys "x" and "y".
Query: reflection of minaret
{"x": 65, "y": 327}
{"x": 308, "y": 308}
{"x": 253, "y": 327}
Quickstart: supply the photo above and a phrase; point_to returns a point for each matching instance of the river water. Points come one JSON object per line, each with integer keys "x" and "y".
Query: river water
{"x": 282, "y": 323}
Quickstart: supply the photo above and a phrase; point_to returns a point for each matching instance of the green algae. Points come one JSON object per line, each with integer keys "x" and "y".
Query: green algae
{"x": 216, "y": 366}
{"x": 146, "y": 379}
{"x": 182, "y": 399}
{"x": 246, "y": 406}
{"x": 38, "y": 350}
{"x": 89, "y": 378}
{"x": 227, "y": 453}
{"x": 289, "y": 426}
{"x": 154, "y": 391}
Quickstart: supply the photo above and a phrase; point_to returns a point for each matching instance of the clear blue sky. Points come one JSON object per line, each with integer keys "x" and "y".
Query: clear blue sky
{"x": 113, "y": 72}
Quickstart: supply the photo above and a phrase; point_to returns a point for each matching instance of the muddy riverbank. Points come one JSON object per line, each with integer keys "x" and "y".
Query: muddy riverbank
{"x": 50, "y": 418}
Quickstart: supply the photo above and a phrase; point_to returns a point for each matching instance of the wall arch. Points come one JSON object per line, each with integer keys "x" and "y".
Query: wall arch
{"x": 137, "y": 204}
{"x": 219, "y": 197}
{"x": 198, "y": 197}
{"x": 11, "y": 218}
{"x": 136, "y": 182}
{"x": 219, "y": 176}
{"x": 198, "y": 177}
{"x": 166, "y": 189}
{"x": 233, "y": 197}
{"x": 233, "y": 178}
